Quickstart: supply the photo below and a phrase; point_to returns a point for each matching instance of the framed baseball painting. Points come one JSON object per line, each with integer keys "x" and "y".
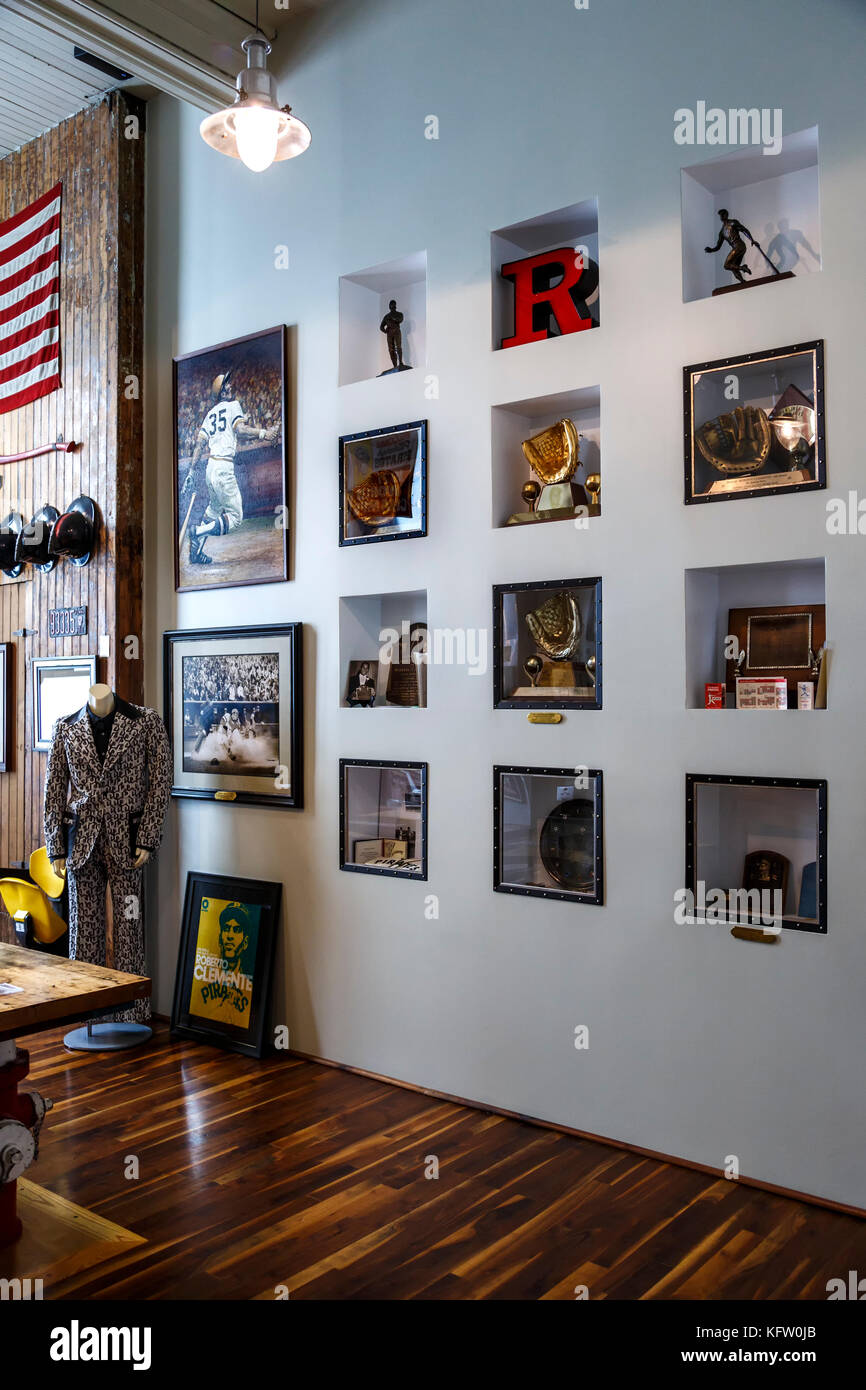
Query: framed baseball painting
{"x": 225, "y": 962}
{"x": 754, "y": 425}
{"x": 233, "y": 713}
{"x": 231, "y": 463}
{"x": 383, "y": 484}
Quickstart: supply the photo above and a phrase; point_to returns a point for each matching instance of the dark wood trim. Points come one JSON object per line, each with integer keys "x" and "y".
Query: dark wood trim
{"x": 811, "y": 1198}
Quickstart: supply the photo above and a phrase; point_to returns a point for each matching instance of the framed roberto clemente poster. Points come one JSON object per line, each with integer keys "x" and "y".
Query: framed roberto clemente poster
{"x": 225, "y": 962}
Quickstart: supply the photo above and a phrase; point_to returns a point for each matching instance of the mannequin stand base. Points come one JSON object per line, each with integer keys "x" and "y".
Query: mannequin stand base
{"x": 107, "y": 1037}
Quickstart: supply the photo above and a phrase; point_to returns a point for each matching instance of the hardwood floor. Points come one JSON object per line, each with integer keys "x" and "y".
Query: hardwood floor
{"x": 286, "y": 1172}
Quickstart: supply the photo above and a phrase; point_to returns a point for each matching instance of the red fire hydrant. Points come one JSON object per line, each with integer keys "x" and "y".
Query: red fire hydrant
{"x": 21, "y": 1116}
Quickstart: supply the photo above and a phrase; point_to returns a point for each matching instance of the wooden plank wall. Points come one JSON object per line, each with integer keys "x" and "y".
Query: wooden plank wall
{"x": 101, "y": 318}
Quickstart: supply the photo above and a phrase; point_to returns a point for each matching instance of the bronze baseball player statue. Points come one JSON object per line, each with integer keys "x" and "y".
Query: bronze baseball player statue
{"x": 390, "y": 326}
{"x": 733, "y": 232}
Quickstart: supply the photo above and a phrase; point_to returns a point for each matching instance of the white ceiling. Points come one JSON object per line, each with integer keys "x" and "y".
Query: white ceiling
{"x": 190, "y": 48}
{"x": 40, "y": 81}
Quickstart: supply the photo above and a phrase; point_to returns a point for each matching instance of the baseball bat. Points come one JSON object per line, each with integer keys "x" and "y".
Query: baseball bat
{"x": 185, "y": 522}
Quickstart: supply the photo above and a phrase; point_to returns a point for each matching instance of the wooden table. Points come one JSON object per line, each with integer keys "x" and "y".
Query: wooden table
{"x": 55, "y": 991}
{"x": 49, "y": 991}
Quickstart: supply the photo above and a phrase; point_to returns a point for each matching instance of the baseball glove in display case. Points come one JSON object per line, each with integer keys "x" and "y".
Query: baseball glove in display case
{"x": 548, "y": 833}
{"x": 754, "y": 425}
{"x": 547, "y": 645}
{"x": 233, "y": 712}
{"x": 383, "y": 484}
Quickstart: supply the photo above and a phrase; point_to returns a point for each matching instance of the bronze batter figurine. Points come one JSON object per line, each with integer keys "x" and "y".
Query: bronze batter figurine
{"x": 732, "y": 232}
{"x": 390, "y": 326}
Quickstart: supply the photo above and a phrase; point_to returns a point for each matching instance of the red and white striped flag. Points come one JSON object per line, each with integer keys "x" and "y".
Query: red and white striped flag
{"x": 30, "y": 302}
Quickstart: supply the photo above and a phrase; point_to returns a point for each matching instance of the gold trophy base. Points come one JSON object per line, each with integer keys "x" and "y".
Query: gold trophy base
{"x": 557, "y": 681}
{"x": 556, "y": 502}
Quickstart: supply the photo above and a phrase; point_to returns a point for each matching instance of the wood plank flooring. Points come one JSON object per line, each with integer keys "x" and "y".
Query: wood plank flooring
{"x": 255, "y": 1175}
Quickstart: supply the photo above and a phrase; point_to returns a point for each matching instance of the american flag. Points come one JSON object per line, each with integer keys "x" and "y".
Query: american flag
{"x": 30, "y": 302}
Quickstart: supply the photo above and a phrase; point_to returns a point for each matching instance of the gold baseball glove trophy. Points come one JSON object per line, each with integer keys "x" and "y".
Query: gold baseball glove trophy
{"x": 554, "y": 457}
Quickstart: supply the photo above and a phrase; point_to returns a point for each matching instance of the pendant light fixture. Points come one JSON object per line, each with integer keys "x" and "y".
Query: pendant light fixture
{"x": 255, "y": 129}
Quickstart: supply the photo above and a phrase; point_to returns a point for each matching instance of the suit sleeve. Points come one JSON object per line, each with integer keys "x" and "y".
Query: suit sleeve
{"x": 158, "y": 784}
{"x": 56, "y": 789}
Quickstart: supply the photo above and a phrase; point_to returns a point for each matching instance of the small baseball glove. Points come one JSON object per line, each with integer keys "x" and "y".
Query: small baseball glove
{"x": 374, "y": 501}
{"x": 737, "y": 442}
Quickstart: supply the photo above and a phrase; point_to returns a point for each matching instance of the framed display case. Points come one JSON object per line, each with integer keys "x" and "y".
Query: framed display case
{"x": 233, "y": 710}
{"x": 383, "y": 484}
{"x": 547, "y": 645}
{"x": 383, "y": 818}
{"x": 548, "y": 835}
{"x": 754, "y": 425}
{"x": 60, "y": 687}
{"x": 751, "y": 838}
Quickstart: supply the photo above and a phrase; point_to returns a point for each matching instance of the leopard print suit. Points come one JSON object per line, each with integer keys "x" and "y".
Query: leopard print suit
{"x": 95, "y": 816}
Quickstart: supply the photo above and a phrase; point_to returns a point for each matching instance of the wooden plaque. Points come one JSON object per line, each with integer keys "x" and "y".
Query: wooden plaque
{"x": 777, "y": 641}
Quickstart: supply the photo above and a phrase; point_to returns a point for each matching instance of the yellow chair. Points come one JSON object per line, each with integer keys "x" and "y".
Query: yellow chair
{"x": 52, "y": 885}
{"x": 30, "y": 904}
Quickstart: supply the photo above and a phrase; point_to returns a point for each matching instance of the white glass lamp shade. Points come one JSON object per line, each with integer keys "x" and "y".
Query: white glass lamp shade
{"x": 258, "y": 135}
{"x": 255, "y": 129}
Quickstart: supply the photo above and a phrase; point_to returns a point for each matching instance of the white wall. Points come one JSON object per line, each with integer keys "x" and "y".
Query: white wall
{"x": 700, "y": 1045}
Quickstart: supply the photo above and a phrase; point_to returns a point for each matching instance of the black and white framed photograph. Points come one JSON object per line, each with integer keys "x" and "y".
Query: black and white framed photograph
{"x": 233, "y": 711}
{"x": 60, "y": 687}
{"x": 754, "y": 425}
{"x": 383, "y": 484}
{"x": 547, "y": 645}
{"x": 7, "y": 704}
{"x": 383, "y": 818}
{"x": 231, "y": 463}
{"x": 548, "y": 833}
{"x": 225, "y": 961}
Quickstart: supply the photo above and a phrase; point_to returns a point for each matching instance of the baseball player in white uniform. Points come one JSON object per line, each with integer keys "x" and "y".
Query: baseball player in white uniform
{"x": 221, "y": 429}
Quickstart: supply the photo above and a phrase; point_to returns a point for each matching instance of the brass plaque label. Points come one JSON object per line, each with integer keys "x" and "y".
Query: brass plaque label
{"x": 224, "y": 796}
{"x": 544, "y": 717}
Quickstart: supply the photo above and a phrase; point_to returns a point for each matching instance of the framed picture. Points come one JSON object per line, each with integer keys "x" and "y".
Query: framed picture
{"x": 225, "y": 962}
{"x": 756, "y": 851}
{"x": 230, "y": 463}
{"x": 7, "y": 704}
{"x": 233, "y": 710}
{"x": 383, "y": 484}
{"x": 60, "y": 687}
{"x": 547, "y": 645}
{"x": 361, "y": 684}
{"x": 548, "y": 833}
{"x": 754, "y": 425}
{"x": 383, "y": 818}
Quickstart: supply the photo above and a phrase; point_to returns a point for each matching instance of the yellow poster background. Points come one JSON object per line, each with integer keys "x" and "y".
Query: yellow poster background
{"x": 222, "y": 983}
